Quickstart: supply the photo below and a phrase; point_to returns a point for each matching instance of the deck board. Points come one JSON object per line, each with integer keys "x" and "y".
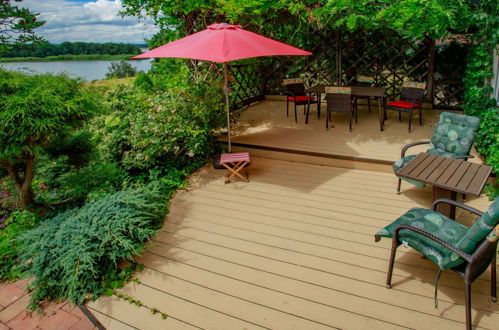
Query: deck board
{"x": 292, "y": 249}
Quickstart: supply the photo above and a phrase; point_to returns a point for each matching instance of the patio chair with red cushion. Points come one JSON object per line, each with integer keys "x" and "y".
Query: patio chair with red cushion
{"x": 295, "y": 91}
{"x": 339, "y": 99}
{"x": 411, "y": 97}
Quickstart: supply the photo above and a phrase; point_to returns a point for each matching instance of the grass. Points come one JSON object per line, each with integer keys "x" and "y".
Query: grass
{"x": 92, "y": 57}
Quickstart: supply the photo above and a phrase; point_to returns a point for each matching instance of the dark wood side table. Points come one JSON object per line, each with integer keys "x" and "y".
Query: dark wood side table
{"x": 377, "y": 92}
{"x": 448, "y": 177}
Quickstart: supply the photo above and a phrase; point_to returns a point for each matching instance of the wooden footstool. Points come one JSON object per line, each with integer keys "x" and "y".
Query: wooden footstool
{"x": 235, "y": 162}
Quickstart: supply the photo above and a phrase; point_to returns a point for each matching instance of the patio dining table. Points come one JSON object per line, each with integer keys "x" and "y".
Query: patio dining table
{"x": 377, "y": 92}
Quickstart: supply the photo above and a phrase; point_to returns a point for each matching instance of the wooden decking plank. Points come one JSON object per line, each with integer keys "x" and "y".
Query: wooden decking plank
{"x": 269, "y": 307}
{"x": 253, "y": 243}
{"x": 474, "y": 185}
{"x": 449, "y": 171}
{"x": 441, "y": 168}
{"x": 457, "y": 175}
{"x": 319, "y": 204}
{"x": 302, "y": 299}
{"x": 430, "y": 169}
{"x": 275, "y": 215}
{"x": 324, "y": 199}
{"x": 468, "y": 177}
{"x": 394, "y": 305}
{"x": 374, "y": 217}
{"x": 110, "y": 323}
{"x": 130, "y": 315}
{"x": 414, "y": 164}
{"x": 290, "y": 229}
{"x": 179, "y": 307}
{"x": 428, "y": 162}
{"x": 412, "y": 295}
{"x": 221, "y": 293}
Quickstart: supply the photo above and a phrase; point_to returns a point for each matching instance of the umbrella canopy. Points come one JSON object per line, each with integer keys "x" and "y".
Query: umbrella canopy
{"x": 222, "y": 43}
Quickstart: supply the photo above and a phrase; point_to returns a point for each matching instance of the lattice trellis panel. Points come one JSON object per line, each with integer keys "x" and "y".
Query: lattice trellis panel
{"x": 246, "y": 84}
{"x": 384, "y": 55}
{"x": 387, "y": 57}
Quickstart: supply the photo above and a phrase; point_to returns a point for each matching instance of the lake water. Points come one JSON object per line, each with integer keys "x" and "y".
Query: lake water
{"x": 88, "y": 70}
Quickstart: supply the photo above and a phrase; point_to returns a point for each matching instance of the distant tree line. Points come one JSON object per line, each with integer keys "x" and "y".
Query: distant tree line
{"x": 71, "y": 48}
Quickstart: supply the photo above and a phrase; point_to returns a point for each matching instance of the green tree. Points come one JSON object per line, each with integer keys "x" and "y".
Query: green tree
{"x": 17, "y": 25}
{"x": 34, "y": 110}
{"x": 121, "y": 69}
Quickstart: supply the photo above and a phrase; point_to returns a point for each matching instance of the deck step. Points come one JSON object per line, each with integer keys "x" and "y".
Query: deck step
{"x": 315, "y": 158}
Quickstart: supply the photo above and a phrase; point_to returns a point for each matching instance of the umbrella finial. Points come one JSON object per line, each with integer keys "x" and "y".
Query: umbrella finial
{"x": 223, "y": 25}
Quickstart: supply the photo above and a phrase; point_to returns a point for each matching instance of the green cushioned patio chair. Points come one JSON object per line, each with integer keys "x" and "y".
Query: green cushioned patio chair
{"x": 453, "y": 137}
{"x": 451, "y": 245}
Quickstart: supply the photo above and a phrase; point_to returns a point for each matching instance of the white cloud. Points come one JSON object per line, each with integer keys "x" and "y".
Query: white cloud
{"x": 90, "y": 21}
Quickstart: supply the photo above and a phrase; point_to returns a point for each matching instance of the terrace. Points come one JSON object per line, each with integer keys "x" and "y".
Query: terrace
{"x": 294, "y": 248}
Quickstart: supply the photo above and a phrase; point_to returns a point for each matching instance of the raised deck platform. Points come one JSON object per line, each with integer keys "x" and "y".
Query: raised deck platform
{"x": 264, "y": 129}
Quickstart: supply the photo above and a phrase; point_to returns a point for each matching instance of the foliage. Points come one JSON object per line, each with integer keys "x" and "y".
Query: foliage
{"x": 478, "y": 89}
{"x": 72, "y": 48}
{"x": 76, "y": 185}
{"x": 144, "y": 82}
{"x": 18, "y": 25}
{"x": 75, "y": 252}
{"x": 18, "y": 222}
{"x": 78, "y": 147}
{"x": 33, "y": 110}
{"x": 121, "y": 69}
{"x": 307, "y": 24}
{"x": 170, "y": 128}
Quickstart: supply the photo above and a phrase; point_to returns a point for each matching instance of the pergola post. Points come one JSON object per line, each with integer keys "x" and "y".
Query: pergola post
{"x": 338, "y": 60}
{"x": 431, "y": 70}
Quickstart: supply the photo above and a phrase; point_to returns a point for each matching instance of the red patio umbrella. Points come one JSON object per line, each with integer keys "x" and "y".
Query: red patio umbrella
{"x": 222, "y": 43}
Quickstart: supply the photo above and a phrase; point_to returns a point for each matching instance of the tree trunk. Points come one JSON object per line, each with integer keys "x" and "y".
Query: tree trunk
{"x": 23, "y": 186}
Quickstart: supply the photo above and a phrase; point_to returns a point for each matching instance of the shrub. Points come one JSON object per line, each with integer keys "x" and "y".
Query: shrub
{"x": 121, "y": 69}
{"x": 487, "y": 144}
{"x": 34, "y": 110}
{"x": 171, "y": 128}
{"x": 144, "y": 82}
{"x": 18, "y": 222}
{"x": 75, "y": 252}
{"x": 78, "y": 147}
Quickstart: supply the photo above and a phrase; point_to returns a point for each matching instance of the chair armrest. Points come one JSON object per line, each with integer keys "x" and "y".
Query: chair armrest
{"x": 460, "y": 253}
{"x": 410, "y": 145}
{"x": 288, "y": 93}
{"x": 463, "y": 206}
{"x": 464, "y": 157}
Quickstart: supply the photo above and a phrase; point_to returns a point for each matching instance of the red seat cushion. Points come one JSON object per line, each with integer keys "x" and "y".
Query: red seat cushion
{"x": 300, "y": 98}
{"x": 403, "y": 104}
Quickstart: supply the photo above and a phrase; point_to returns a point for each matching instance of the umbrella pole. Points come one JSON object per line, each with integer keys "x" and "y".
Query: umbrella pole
{"x": 226, "y": 92}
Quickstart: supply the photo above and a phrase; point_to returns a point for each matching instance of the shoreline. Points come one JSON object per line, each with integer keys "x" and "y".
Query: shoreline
{"x": 92, "y": 57}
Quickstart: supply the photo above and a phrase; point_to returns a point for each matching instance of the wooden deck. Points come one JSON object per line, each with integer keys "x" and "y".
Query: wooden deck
{"x": 292, "y": 249}
{"x": 264, "y": 125}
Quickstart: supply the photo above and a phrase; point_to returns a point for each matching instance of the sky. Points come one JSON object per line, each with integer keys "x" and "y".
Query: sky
{"x": 88, "y": 21}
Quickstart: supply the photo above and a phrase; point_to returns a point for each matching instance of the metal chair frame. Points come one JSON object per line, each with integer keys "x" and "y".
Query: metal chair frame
{"x": 474, "y": 265}
{"x": 295, "y": 90}
{"x": 413, "y": 96}
{"x": 340, "y": 103}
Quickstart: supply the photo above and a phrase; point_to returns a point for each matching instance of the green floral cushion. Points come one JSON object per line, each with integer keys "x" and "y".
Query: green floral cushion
{"x": 399, "y": 164}
{"x": 454, "y": 135}
{"x": 463, "y": 238}
{"x": 480, "y": 229}
{"x": 431, "y": 222}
